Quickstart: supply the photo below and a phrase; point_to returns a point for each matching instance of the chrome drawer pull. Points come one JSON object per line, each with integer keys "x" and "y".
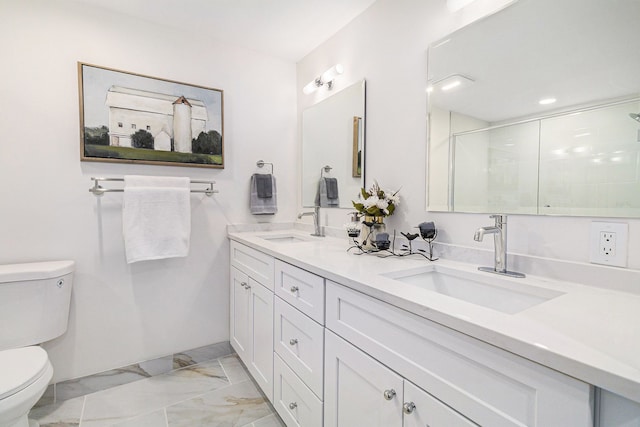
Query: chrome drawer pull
{"x": 389, "y": 394}
{"x": 293, "y": 405}
{"x": 294, "y": 289}
{"x": 244, "y": 285}
{"x": 408, "y": 407}
{"x": 293, "y": 341}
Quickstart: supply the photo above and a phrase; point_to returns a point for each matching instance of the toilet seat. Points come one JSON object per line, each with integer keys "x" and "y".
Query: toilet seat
{"x": 21, "y": 367}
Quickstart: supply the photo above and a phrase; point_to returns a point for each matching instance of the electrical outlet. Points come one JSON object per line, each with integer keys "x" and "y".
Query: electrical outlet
{"x": 609, "y": 243}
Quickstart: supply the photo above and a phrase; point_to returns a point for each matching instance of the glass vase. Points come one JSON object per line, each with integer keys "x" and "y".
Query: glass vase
{"x": 372, "y": 227}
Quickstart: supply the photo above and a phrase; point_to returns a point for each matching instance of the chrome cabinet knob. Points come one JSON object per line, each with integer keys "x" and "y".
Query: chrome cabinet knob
{"x": 294, "y": 289}
{"x": 293, "y": 405}
{"x": 408, "y": 407}
{"x": 293, "y": 341}
{"x": 389, "y": 394}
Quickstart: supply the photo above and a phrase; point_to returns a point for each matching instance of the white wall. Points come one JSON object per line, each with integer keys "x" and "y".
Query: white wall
{"x": 387, "y": 46}
{"x": 123, "y": 313}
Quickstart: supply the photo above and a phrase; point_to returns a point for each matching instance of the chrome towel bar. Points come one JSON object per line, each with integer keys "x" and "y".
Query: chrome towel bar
{"x": 98, "y": 190}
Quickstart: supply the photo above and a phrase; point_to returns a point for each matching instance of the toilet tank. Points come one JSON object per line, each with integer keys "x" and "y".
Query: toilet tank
{"x": 34, "y": 302}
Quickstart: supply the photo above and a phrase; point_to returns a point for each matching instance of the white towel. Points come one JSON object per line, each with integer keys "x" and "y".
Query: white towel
{"x": 156, "y": 217}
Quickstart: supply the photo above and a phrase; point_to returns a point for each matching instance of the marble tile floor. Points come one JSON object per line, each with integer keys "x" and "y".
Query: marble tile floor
{"x": 216, "y": 393}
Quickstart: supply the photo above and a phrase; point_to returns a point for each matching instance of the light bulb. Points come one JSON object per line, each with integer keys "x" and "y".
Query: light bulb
{"x": 332, "y": 73}
{"x": 310, "y": 87}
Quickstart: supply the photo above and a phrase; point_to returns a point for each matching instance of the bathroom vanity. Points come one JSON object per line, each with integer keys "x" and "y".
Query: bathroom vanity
{"x": 341, "y": 340}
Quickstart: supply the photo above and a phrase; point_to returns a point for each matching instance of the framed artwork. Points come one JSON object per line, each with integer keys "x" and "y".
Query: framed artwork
{"x": 356, "y": 158}
{"x": 131, "y": 118}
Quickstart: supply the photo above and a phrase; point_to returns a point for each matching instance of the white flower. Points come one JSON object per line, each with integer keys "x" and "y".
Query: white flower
{"x": 371, "y": 201}
{"x": 382, "y": 204}
{"x": 392, "y": 198}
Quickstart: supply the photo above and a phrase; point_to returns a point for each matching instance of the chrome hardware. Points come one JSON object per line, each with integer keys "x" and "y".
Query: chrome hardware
{"x": 389, "y": 394}
{"x": 408, "y": 407}
{"x": 294, "y": 289}
{"x": 245, "y": 285}
{"x": 60, "y": 283}
{"x": 499, "y": 231}
{"x": 293, "y": 405}
{"x": 318, "y": 230}
{"x": 293, "y": 341}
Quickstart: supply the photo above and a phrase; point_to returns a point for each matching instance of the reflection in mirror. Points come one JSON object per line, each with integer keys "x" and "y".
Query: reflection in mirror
{"x": 536, "y": 120}
{"x": 333, "y": 135}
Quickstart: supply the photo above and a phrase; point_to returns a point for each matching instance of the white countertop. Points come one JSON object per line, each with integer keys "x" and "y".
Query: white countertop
{"x": 589, "y": 333}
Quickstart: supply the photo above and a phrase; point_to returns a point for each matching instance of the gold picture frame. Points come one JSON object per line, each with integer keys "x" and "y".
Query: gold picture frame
{"x": 132, "y": 118}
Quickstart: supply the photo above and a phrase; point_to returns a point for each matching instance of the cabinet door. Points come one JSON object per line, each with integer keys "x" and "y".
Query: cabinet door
{"x": 239, "y": 324}
{"x": 260, "y": 361}
{"x": 421, "y": 409}
{"x": 359, "y": 391}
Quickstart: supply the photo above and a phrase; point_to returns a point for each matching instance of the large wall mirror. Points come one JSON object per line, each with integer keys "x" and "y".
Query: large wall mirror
{"x": 535, "y": 110}
{"x": 333, "y": 143}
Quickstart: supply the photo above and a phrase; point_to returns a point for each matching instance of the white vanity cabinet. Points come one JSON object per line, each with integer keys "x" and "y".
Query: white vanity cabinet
{"x": 327, "y": 355}
{"x": 363, "y": 392}
{"x": 485, "y": 384}
{"x": 251, "y": 313}
{"x": 299, "y": 346}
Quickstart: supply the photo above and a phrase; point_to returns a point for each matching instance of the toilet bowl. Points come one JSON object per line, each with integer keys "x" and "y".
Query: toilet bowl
{"x": 34, "y": 308}
{"x": 24, "y": 376}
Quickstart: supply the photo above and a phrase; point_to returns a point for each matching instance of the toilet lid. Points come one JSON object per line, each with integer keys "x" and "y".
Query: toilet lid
{"x": 20, "y": 367}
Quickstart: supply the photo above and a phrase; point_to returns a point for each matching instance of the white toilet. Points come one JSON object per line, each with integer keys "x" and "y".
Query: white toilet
{"x": 34, "y": 308}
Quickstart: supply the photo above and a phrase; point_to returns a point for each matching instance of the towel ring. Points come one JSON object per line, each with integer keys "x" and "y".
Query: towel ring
{"x": 261, "y": 163}
{"x": 325, "y": 169}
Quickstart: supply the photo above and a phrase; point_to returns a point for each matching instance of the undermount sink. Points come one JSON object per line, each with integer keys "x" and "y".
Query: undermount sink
{"x": 285, "y": 238}
{"x": 484, "y": 289}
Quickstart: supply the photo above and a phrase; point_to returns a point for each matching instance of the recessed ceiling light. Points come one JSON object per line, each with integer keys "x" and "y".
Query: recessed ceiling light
{"x": 454, "y": 81}
{"x": 547, "y": 101}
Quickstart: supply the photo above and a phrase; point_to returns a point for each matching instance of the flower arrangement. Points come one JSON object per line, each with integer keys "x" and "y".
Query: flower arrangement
{"x": 377, "y": 202}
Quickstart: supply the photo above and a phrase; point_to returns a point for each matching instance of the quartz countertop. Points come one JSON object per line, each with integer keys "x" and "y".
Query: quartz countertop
{"x": 589, "y": 333}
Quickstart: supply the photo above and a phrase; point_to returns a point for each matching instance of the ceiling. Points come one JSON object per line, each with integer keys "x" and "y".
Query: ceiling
{"x": 581, "y": 52}
{"x": 287, "y": 29}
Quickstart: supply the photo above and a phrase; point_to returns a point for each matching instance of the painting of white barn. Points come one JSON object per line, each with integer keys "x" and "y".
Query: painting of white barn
{"x": 127, "y": 117}
{"x": 159, "y": 114}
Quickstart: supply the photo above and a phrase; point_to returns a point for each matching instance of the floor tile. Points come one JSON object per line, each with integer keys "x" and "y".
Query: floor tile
{"x": 61, "y": 414}
{"x": 202, "y": 354}
{"x": 120, "y": 403}
{"x": 233, "y": 406}
{"x": 268, "y": 421}
{"x": 154, "y": 419}
{"x": 236, "y": 372}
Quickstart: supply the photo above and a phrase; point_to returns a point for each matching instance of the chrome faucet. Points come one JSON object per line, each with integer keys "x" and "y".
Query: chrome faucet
{"x": 316, "y": 221}
{"x": 499, "y": 231}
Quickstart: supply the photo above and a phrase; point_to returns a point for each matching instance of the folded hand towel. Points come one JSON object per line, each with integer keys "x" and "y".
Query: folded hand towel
{"x": 262, "y": 205}
{"x": 327, "y": 195}
{"x": 263, "y": 184}
{"x": 156, "y": 217}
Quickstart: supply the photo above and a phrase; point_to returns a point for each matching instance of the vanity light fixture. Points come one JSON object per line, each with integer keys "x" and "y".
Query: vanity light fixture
{"x": 547, "y": 101}
{"x": 325, "y": 78}
{"x": 449, "y": 83}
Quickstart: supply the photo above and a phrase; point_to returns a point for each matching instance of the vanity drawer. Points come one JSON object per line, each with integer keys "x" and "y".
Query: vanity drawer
{"x": 299, "y": 341}
{"x": 295, "y": 402}
{"x": 301, "y": 289}
{"x": 257, "y": 265}
{"x": 488, "y": 385}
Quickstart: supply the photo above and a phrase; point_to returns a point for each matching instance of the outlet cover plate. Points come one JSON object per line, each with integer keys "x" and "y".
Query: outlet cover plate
{"x": 619, "y": 256}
